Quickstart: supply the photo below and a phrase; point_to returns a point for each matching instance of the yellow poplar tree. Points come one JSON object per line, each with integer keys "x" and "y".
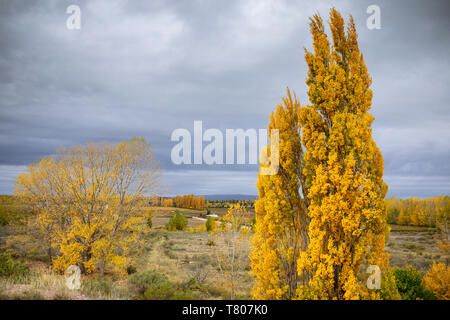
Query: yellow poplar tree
{"x": 281, "y": 220}
{"x": 343, "y": 167}
{"x": 402, "y": 217}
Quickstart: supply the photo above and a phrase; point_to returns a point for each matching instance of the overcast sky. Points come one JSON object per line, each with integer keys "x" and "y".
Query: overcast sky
{"x": 147, "y": 68}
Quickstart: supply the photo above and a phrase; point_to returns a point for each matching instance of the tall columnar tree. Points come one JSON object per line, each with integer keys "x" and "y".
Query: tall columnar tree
{"x": 281, "y": 220}
{"x": 343, "y": 167}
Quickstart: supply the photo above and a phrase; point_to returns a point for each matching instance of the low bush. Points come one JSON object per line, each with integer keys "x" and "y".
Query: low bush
{"x": 152, "y": 285}
{"x": 141, "y": 281}
{"x": 11, "y": 268}
{"x": 131, "y": 269}
{"x": 149, "y": 222}
{"x": 210, "y": 224}
{"x": 162, "y": 290}
{"x": 214, "y": 291}
{"x": 410, "y": 284}
{"x": 177, "y": 222}
{"x": 253, "y": 223}
{"x": 195, "y": 288}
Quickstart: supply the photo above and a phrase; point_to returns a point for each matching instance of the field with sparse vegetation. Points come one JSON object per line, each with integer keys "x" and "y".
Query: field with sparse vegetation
{"x": 184, "y": 260}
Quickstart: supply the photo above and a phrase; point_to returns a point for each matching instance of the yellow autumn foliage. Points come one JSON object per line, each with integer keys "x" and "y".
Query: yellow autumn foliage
{"x": 87, "y": 202}
{"x": 343, "y": 166}
{"x": 281, "y": 220}
{"x": 321, "y": 219}
{"x": 418, "y": 212}
{"x": 438, "y": 280}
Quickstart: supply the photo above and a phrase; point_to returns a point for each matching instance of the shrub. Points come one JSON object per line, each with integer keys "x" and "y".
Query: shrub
{"x": 410, "y": 285}
{"x": 214, "y": 291}
{"x": 389, "y": 290}
{"x": 210, "y": 224}
{"x": 11, "y": 268}
{"x": 253, "y": 223}
{"x": 152, "y": 285}
{"x": 438, "y": 280}
{"x": 131, "y": 269}
{"x": 195, "y": 288}
{"x": 149, "y": 222}
{"x": 177, "y": 222}
{"x": 162, "y": 290}
{"x": 141, "y": 281}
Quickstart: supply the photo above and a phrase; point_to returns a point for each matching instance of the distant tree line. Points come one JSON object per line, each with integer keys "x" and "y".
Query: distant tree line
{"x": 188, "y": 201}
{"x": 227, "y": 203}
{"x": 431, "y": 212}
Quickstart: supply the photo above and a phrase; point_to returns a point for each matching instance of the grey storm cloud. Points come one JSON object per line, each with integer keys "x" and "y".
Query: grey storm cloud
{"x": 145, "y": 68}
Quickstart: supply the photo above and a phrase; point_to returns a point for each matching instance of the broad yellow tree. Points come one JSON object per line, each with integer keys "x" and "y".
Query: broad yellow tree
{"x": 281, "y": 227}
{"x": 88, "y": 199}
{"x": 343, "y": 167}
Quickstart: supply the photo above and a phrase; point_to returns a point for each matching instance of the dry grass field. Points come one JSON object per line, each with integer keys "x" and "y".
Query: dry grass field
{"x": 415, "y": 246}
{"x": 196, "y": 218}
{"x": 182, "y": 257}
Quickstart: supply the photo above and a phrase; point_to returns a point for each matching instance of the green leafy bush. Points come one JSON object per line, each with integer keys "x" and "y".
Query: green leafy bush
{"x": 11, "y": 268}
{"x": 149, "y": 222}
{"x": 131, "y": 269}
{"x": 410, "y": 285}
{"x": 177, "y": 222}
{"x": 162, "y": 290}
{"x": 141, "y": 281}
{"x": 152, "y": 285}
{"x": 253, "y": 223}
{"x": 210, "y": 223}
